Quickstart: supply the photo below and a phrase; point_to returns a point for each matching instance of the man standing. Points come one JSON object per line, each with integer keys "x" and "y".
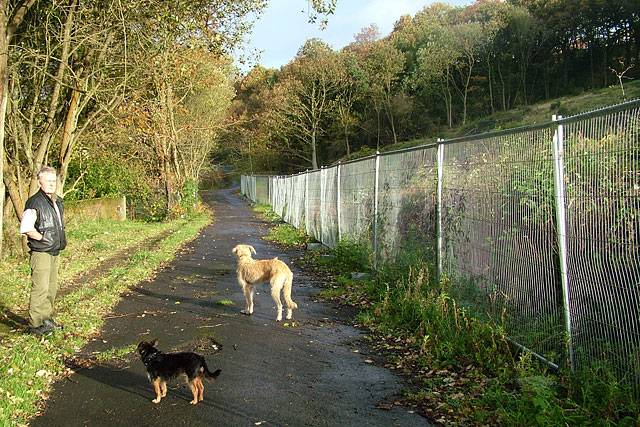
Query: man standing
{"x": 42, "y": 222}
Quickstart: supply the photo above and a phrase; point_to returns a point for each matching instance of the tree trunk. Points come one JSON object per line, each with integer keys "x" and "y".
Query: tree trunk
{"x": 16, "y": 197}
{"x": 523, "y": 77}
{"x": 391, "y": 121}
{"x": 346, "y": 140}
{"x": 464, "y": 98}
{"x": 40, "y": 159}
{"x": 490, "y": 85}
{"x": 68, "y": 139}
{"x": 504, "y": 97}
{"x": 169, "y": 185}
{"x": 378, "y": 126}
{"x": 591, "y": 70}
{"x": 446, "y": 95}
{"x": 8, "y": 27}
{"x": 4, "y": 85}
{"x": 314, "y": 155}
{"x": 605, "y": 60}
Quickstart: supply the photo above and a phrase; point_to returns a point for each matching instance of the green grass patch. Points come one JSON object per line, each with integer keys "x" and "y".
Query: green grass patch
{"x": 346, "y": 257}
{"x": 288, "y": 235}
{"x": 265, "y": 212}
{"x": 282, "y": 233}
{"x": 30, "y": 364}
{"x": 116, "y": 353}
{"x": 225, "y": 302}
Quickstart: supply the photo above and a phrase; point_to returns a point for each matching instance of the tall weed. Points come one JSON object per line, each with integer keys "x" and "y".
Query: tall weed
{"x": 409, "y": 300}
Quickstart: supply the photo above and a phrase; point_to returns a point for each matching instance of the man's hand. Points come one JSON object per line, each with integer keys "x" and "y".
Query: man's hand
{"x": 35, "y": 235}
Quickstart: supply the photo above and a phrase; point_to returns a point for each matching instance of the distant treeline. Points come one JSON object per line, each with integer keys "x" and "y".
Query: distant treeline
{"x": 438, "y": 69}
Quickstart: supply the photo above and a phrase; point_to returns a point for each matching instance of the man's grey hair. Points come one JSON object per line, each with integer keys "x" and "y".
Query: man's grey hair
{"x": 46, "y": 169}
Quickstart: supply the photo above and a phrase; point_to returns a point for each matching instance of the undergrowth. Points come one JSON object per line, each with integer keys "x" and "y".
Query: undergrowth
{"x": 266, "y": 212}
{"x": 287, "y": 235}
{"x": 464, "y": 370}
{"x": 281, "y": 232}
{"x": 474, "y": 375}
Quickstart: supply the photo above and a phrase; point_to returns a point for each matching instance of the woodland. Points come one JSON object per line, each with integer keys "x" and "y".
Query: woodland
{"x": 142, "y": 98}
{"x": 439, "y": 70}
{"x": 123, "y": 98}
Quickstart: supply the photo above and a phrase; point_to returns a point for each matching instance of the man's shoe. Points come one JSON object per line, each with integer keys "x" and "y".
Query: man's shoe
{"x": 43, "y": 329}
{"x": 52, "y": 324}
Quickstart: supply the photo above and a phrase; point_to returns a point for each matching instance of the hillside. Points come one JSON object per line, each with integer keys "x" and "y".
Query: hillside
{"x": 522, "y": 116}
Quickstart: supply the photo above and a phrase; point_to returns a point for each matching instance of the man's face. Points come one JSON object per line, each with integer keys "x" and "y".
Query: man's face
{"x": 48, "y": 183}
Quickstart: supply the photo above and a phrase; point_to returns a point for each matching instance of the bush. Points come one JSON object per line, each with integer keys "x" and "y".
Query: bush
{"x": 350, "y": 255}
{"x": 104, "y": 176}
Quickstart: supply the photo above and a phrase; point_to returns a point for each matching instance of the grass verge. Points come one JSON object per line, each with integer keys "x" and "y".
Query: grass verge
{"x": 30, "y": 364}
{"x": 286, "y": 234}
{"x": 464, "y": 371}
{"x": 282, "y": 233}
{"x": 266, "y": 213}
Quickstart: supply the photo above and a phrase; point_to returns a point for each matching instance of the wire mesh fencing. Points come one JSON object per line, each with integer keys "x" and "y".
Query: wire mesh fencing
{"x": 537, "y": 227}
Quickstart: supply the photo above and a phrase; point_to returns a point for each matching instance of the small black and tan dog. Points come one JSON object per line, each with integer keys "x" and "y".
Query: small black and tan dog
{"x": 161, "y": 367}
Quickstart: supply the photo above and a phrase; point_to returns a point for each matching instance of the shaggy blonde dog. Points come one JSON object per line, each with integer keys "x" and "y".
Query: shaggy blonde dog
{"x": 252, "y": 272}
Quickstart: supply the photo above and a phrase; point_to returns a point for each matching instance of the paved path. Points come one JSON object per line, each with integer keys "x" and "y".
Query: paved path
{"x": 308, "y": 375}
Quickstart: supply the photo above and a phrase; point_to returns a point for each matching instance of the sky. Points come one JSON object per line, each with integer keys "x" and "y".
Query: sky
{"x": 283, "y": 27}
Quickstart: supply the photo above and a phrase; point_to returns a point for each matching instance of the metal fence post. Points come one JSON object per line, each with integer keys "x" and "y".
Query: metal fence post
{"x": 322, "y": 202}
{"x": 440, "y": 164}
{"x": 338, "y": 202}
{"x": 253, "y": 188}
{"x": 375, "y": 212}
{"x": 561, "y": 232}
{"x": 306, "y": 200}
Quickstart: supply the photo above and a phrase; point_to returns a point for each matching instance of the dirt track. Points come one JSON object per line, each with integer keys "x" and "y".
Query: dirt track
{"x": 307, "y": 375}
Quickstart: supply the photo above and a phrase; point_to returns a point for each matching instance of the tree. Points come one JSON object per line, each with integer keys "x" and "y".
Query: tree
{"x": 249, "y": 137}
{"x": 383, "y": 66}
{"x": 435, "y": 62}
{"x": 303, "y": 97}
{"x": 526, "y": 35}
{"x": 11, "y": 17}
{"x": 467, "y": 41}
{"x": 205, "y": 112}
{"x": 492, "y": 17}
{"x": 350, "y": 86}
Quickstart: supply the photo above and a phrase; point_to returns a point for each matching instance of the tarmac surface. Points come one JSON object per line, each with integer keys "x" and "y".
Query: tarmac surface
{"x": 315, "y": 372}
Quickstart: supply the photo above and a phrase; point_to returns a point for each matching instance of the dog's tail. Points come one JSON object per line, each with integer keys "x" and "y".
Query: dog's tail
{"x": 208, "y": 374}
{"x": 288, "y": 283}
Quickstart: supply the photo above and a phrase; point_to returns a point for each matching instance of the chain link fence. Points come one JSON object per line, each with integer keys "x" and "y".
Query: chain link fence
{"x": 538, "y": 227}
